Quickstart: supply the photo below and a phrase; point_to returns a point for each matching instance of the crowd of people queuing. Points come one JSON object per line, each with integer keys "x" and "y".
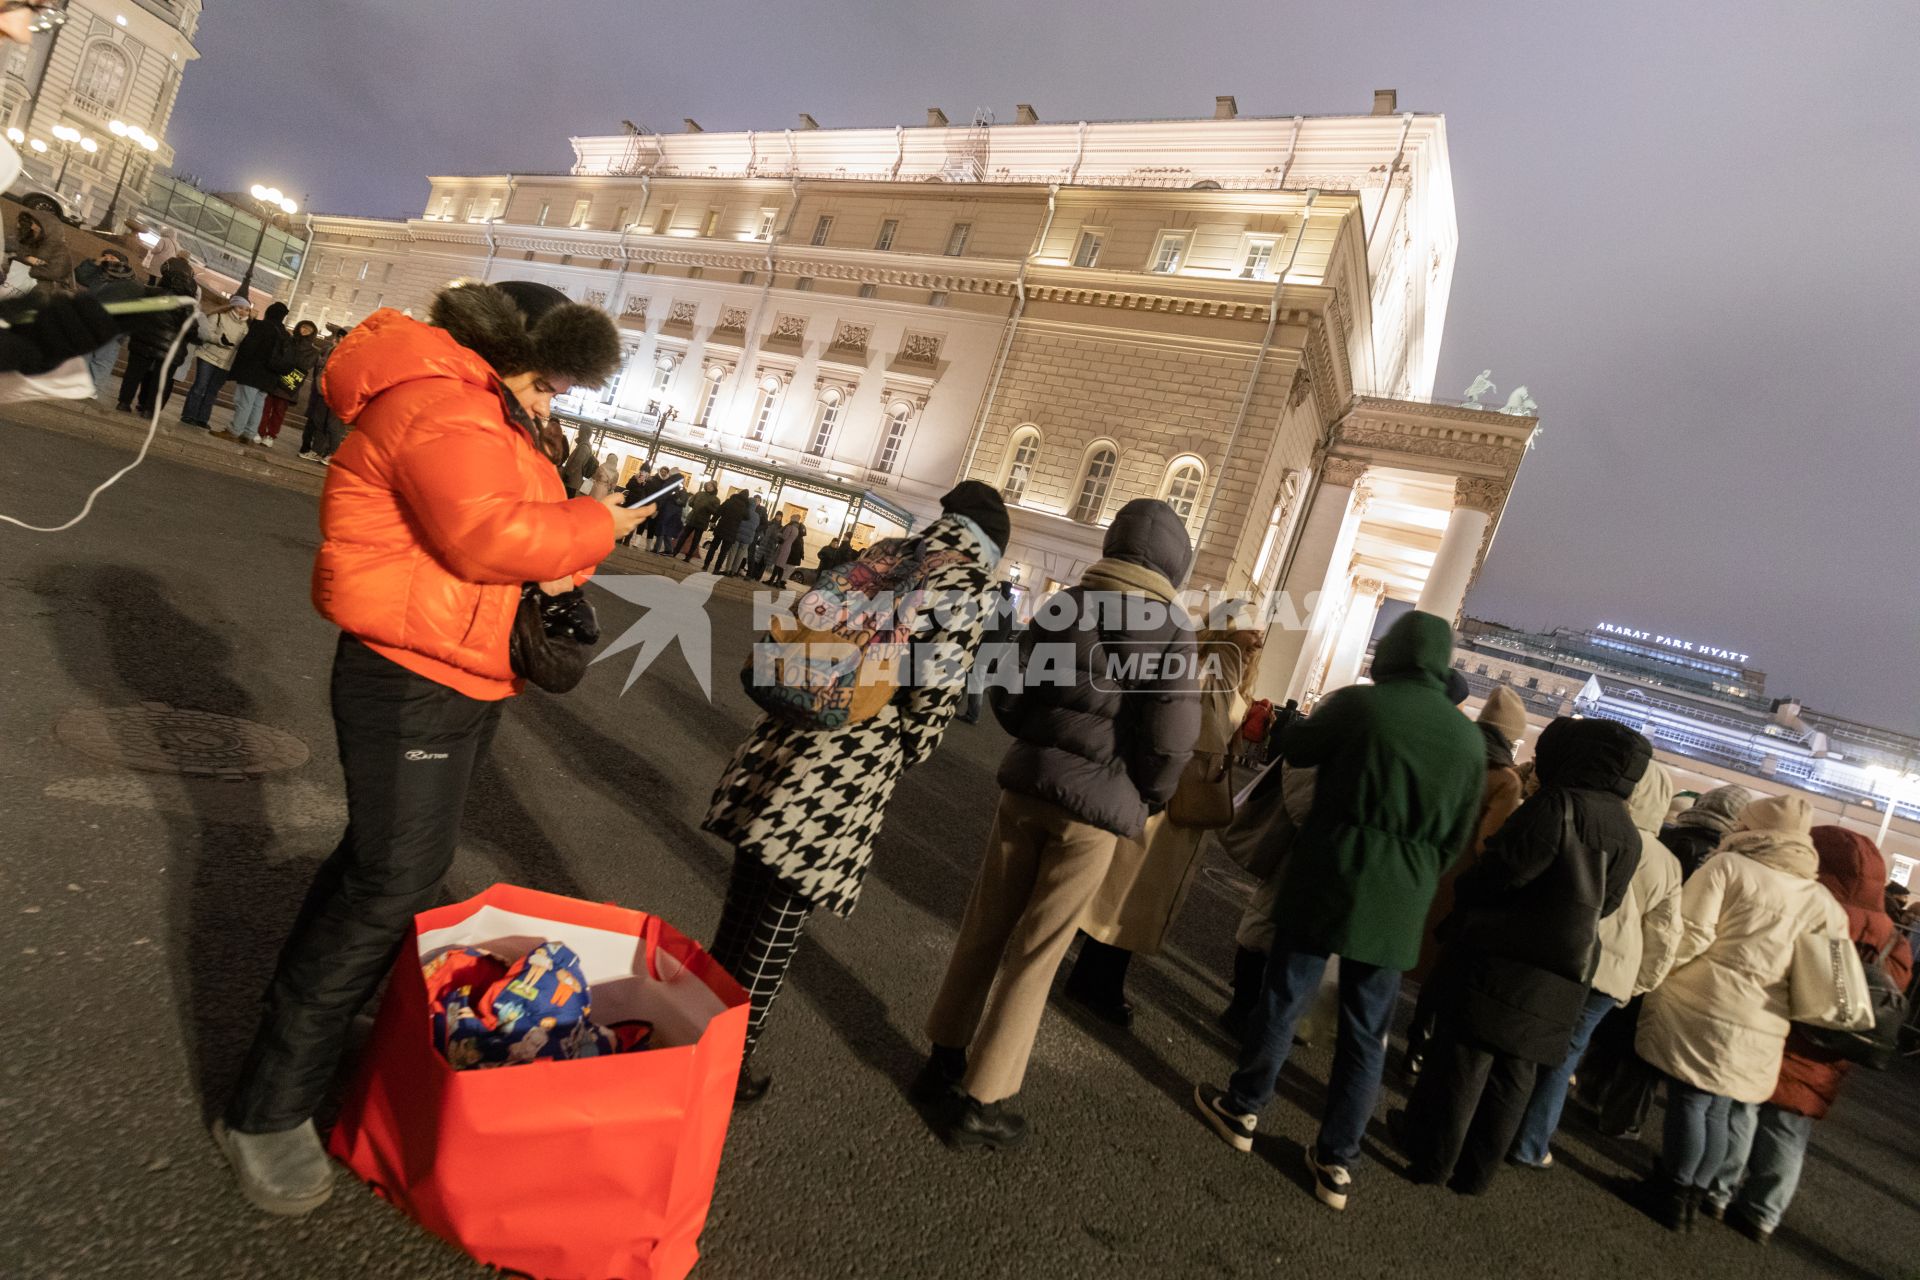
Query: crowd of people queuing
{"x": 1565, "y": 914}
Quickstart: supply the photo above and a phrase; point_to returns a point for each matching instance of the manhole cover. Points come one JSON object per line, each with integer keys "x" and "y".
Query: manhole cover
{"x": 157, "y": 738}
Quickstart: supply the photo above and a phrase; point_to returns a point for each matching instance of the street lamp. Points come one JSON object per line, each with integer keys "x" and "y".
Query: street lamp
{"x": 134, "y": 138}
{"x": 68, "y": 136}
{"x": 1898, "y": 786}
{"x": 663, "y": 417}
{"x": 270, "y": 201}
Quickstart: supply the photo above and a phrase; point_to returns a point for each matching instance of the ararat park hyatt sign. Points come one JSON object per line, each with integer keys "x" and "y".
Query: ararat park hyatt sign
{"x": 1671, "y": 642}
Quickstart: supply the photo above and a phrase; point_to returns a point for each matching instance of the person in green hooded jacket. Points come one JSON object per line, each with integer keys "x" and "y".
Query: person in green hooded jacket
{"x": 1396, "y": 800}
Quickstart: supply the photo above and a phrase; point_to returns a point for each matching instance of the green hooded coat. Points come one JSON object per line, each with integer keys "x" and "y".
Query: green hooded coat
{"x": 1396, "y": 800}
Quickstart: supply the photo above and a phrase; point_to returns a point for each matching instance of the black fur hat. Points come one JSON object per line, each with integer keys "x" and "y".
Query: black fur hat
{"x": 550, "y": 335}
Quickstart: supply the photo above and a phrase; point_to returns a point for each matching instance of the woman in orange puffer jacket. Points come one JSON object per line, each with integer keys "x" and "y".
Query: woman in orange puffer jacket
{"x": 439, "y": 506}
{"x": 1766, "y": 1152}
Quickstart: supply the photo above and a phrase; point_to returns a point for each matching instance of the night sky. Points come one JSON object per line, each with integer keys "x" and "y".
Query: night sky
{"x": 1688, "y": 228}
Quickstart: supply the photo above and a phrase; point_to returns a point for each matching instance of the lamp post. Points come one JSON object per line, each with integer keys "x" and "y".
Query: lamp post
{"x": 68, "y": 136}
{"x": 269, "y": 200}
{"x": 662, "y": 418}
{"x": 1897, "y": 785}
{"x": 133, "y": 138}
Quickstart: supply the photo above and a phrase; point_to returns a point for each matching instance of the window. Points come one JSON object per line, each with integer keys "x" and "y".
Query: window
{"x": 493, "y": 209}
{"x": 822, "y": 229}
{"x": 890, "y": 445}
{"x": 546, "y": 209}
{"x": 1170, "y": 252}
{"x": 581, "y": 208}
{"x": 712, "y": 223}
{"x": 713, "y": 398}
{"x": 663, "y": 221}
{"x": 764, "y": 413}
{"x": 888, "y": 230}
{"x": 620, "y": 218}
{"x": 386, "y": 272}
{"x": 662, "y": 375}
{"x": 823, "y": 429}
{"x": 1183, "y": 488}
{"x": 364, "y": 268}
{"x": 804, "y": 284}
{"x": 1020, "y": 460}
{"x": 466, "y": 207}
{"x": 102, "y": 79}
{"x": 957, "y": 239}
{"x": 1094, "y": 483}
{"x": 767, "y": 219}
{"x": 1087, "y": 252}
{"x": 938, "y": 298}
{"x": 868, "y": 291}
{"x": 748, "y": 277}
{"x": 446, "y": 207}
{"x": 1258, "y": 264}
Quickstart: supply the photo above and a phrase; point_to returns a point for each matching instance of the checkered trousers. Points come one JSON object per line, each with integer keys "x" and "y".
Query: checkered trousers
{"x": 760, "y": 926}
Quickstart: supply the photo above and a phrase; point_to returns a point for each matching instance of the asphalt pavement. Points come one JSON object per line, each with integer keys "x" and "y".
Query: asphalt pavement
{"x": 140, "y": 913}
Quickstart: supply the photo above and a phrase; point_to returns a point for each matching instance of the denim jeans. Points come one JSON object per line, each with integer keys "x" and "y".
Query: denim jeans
{"x": 1550, "y": 1091}
{"x": 100, "y": 363}
{"x": 1366, "y": 1007}
{"x": 1700, "y": 1127}
{"x": 207, "y": 381}
{"x": 1766, "y": 1149}
{"x": 248, "y": 404}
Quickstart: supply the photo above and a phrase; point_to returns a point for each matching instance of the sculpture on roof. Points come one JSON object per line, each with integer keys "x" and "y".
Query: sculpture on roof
{"x": 1520, "y": 403}
{"x": 1482, "y": 386}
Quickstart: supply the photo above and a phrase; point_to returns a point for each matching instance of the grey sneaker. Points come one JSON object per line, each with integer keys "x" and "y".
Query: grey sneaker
{"x": 284, "y": 1173}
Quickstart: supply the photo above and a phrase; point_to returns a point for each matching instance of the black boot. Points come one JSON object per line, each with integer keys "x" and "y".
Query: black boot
{"x": 751, "y": 1088}
{"x": 1669, "y": 1203}
{"x": 1249, "y": 972}
{"x": 983, "y": 1124}
{"x": 940, "y": 1079}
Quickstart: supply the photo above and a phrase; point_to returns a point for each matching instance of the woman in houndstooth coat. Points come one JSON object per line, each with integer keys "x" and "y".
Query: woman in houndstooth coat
{"x": 802, "y": 806}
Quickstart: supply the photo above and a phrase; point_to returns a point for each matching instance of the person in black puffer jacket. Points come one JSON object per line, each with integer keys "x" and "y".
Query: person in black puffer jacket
{"x": 258, "y": 362}
{"x": 1521, "y": 947}
{"x": 1696, "y": 834}
{"x": 152, "y": 335}
{"x": 1104, "y": 723}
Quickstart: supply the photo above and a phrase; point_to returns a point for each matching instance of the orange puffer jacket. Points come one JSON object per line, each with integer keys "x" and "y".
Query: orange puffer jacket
{"x": 437, "y": 508}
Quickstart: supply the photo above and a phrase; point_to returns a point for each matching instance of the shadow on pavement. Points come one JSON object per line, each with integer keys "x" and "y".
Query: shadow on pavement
{"x": 229, "y": 901}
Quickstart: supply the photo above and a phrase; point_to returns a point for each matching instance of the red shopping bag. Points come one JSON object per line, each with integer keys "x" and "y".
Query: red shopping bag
{"x": 592, "y": 1169}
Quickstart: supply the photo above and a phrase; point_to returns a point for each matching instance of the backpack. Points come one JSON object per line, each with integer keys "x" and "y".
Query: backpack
{"x": 837, "y": 661}
{"x": 1877, "y": 1046}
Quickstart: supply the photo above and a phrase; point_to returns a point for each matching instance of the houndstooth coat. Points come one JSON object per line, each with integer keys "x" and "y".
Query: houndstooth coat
{"x": 808, "y": 802}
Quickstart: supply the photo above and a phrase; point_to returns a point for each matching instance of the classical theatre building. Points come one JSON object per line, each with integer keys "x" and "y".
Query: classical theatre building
{"x": 1241, "y": 316}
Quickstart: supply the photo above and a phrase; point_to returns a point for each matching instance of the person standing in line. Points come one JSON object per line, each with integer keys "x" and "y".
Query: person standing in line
{"x": 606, "y": 478}
{"x": 1637, "y": 944}
{"x": 1717, "y": 1027}
{"x": 301, "y": 353}
{"x": 1696, "y": 834}
{"x": 765, "y": 545}
{"x": 701, "y": 509}
{"x": 726, "y": 523}
{"x": 791, "y": 551}
{"x": 744, "y": 538}
{"x": 150, "y": 337}
{"x": 1521, "y": 949}
{"x": 1767, "y": 1150}
{"x": 254, "y": 363}
{"x": 317, "y": 441}
{"x": 666, "y": 525}
{"x": 1396, "y": 799}
{"x": 577, "y": 471}
{"x": 1092, "y": 759}
{"x": 219, "y": 333}
{"x": 108, "y": 278}
{"x": 801, "y": 806}
{"x": 1147, "y": 883}
{"x": 444, "y": 501}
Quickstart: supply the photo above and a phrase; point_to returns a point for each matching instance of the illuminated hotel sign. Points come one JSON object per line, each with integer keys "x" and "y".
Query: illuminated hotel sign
{"x": 1670, "y": 642}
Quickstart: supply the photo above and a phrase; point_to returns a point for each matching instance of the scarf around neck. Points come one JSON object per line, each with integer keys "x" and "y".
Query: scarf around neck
{"x": 1789, "y": 854}
{"x": 1127, "y": 578}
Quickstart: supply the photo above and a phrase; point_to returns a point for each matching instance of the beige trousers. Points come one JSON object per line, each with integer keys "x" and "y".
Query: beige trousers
{"x": 1041, "y": 869}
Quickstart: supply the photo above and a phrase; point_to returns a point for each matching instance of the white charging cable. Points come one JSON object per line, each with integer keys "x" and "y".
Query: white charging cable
{"x": 166, "y": 364}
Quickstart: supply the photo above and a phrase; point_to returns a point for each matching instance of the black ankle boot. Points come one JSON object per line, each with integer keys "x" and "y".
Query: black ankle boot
{"x": 940, "y": 1079}
{"x": 984, "y": 1124}
{"x": 1249, "y": 972}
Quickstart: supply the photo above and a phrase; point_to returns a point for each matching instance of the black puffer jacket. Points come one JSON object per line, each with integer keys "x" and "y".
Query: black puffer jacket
{"x": 261, "y": 357}
{"x": 1522, "y": 942}
{"x": 726, "y": 522}
{"x": 1107, "y": 716}
{"x": 153, "y": 334}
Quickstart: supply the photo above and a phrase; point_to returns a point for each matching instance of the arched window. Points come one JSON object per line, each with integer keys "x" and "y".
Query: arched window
{"x": 831, "y": 403}
{"x": 1023, "y": 448}
{"x": 893, "y": 437}
{"x": 102, "y": 79}
{"x": 1095, "y": 480}
{"x": 1182, "y": 491}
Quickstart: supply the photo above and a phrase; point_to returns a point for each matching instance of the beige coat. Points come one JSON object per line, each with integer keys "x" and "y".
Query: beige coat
{"x": 1638, "y": 941}
{"x": 1719, "y": 1021}
{"x": 1149, "y": 878}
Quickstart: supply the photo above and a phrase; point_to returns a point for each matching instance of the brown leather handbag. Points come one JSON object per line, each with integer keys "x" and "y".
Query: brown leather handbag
{"x": 1204, "y": 798}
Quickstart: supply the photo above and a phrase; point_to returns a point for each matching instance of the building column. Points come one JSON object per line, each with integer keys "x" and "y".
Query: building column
{"x": 1350, "y": 647}
{"x": 1445, "y": 591}
{"x": 1312, "y": 591}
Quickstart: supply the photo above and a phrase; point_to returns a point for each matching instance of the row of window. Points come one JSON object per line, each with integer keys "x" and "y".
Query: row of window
{"x": 1180, "y": 490}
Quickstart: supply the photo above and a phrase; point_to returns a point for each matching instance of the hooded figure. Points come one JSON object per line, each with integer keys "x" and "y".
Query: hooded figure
{"x": 1762, "y": 1170}
{"x": 1696, "y": 833}
{"x": 151, "y": 335}
{"x": 49, "y": 260}
{"x": 1718, "y": 1025}
{"x": 801, "y": 806}
{"x": 1103, "y": 725}
{"x": 1522, "y": 946}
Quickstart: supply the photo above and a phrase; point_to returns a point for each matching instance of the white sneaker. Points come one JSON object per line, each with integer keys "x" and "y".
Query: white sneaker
{"x": 284, "y": 1173}
{"x": 310, "y": 455}
{"x": 266, "y": 442}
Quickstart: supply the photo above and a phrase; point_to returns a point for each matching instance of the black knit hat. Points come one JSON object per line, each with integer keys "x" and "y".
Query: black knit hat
{"x": 981, "y": 504}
